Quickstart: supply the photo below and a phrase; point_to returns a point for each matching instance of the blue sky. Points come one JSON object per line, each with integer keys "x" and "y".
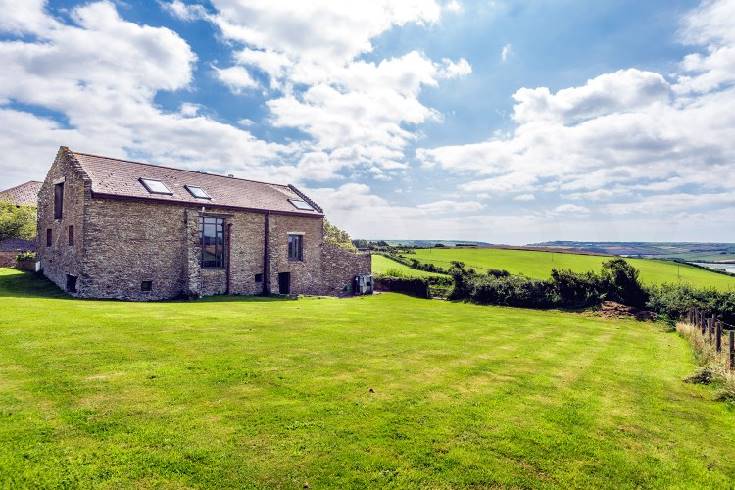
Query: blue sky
{"x": 508, "y": 122}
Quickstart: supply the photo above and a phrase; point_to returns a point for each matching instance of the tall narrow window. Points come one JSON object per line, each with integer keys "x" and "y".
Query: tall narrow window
{"x": 213, "y": 242}
{"x": 59, "y": 200}
{"x": 296, "y": 247}
{"x": 49, "y": 237}
{"x": 71, "y": 234}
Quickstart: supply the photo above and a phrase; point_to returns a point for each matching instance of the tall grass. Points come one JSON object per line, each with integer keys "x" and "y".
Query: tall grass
{"x": 715, "y": 366}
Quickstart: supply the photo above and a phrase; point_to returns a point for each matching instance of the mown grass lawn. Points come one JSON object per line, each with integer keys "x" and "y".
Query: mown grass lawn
{"x": 538, "y": 264}
{"x": 252, "y": 392}
{"x": 383, "y": 265}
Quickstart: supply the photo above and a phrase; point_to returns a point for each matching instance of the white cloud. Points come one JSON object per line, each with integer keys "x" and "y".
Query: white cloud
{"x": 188, "y": 109}
{"x": 610, "y": 93}
{"x": 357, "y": 112}
{"x": 272, "y": 63}
{"x": 710, "y": 26}
{"x": 183, "y": 11}
{"x": 454, "y": 6}
{"x": 525, "y": 198}
{"x": 453, "y": 69}
{"x": 101, "y": 75}
{"x": 571, "y": 209}
{"x": 236, "y": 78}
{"x": 506, "y": 52}
{"x": 510, "y": 182}
{"x": 670, "y": 203}
{"x": 449, "y": 206}
{"x": 618, "y": 141}
{"x": 322, "y": 33}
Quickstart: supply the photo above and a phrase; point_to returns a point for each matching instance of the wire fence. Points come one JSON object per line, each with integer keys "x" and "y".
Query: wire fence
{"x": 713, "y": 330}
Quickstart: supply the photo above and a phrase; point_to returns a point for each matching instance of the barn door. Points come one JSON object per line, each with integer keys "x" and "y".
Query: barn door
{"x": 284, "y": 282}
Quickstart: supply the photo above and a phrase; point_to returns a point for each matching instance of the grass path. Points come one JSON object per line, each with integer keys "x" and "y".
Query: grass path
{"x": 539, "y": 264}
{"x": 252, "y": 392}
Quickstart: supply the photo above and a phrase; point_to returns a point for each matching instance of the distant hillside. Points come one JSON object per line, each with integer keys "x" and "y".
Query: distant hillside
{"x": 685, "y": 251}
{"x": 433, "y": 243}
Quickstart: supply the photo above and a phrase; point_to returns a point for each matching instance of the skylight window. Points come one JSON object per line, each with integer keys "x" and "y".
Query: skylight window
{"x": 155, "y": 186}
{"x": 303, "y": 205}
{"x": 197, "y": 192}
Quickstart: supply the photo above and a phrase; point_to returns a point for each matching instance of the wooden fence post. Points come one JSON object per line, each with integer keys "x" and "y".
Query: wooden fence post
{"x": 731, "y": 342}
{"x": 718, "y": 337}
{"x": 711, "y": 328}
{"x": 704, "y": 323}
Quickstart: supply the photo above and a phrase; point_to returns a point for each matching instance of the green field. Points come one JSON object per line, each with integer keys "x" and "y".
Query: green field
{"x": 384, "y": 265}
{"x": 539, "y": 264}
{"x": 381, "y": 391}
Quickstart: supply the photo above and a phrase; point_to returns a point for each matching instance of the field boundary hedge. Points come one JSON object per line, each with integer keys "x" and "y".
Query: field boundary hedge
{"x": 414, "y": 286}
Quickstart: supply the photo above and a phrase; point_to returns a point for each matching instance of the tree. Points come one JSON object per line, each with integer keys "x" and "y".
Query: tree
{"x": 17, "y": 221}
{"x": 623, "y": 284}
{"x": 337, "y": 237}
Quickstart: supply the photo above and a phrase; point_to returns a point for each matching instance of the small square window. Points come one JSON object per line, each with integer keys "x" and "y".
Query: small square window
{"x": 146, "y": 286}
{"x": 71, "y": 283}
{"x": 259, "y": 277}
{"x": 197, "y": 192}
{"x": 155, "y": 186}
{"x": 71, "y": 235}
{"x": 49, "y": 237}
{"x": 303, "y": 205}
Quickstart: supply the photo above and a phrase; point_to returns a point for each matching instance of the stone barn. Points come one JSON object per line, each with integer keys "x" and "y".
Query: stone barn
{"x": 110, "y": 228}
{"x": 25, "y": 194}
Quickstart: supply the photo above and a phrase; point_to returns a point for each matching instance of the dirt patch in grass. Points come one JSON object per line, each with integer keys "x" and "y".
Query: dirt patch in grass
{"x": 611, "y": 309}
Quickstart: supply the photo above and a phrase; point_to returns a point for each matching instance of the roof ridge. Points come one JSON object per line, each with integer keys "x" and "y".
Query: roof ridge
{"x": 177, "y": 169}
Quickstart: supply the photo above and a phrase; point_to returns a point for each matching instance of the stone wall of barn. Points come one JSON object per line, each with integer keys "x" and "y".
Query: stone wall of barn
{"x": 339, "y": 268}
{"x": 246, "y": 251}
{"x": 60, "y": 258}
{"x": 127, "y": 243}
{"x": 306, "y": 274}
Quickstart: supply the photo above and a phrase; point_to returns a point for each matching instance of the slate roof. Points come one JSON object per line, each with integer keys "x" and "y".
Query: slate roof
{"x": 22, "y": 195}
{"x": 116, "y": 178}
{"x": 16, "y": 245}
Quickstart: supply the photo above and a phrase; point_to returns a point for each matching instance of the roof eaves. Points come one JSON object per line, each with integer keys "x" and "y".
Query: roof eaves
{"x": 208, "y": 204}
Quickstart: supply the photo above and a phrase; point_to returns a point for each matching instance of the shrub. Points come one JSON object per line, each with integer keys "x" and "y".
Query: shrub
{"x": 498, "y": 272}
{"x": 414, "y": 286}
{"x": 618, "y": 281}
{"x": 513, "y": 291}
{"x": 463, "y": 280}
{"x": 26, "y": 257}
{"x": 17, "y": 221}
{"x": 338, "y": 237}
{"x": 675, "y": 300}
{"x": 577, "y": 290}
{"x": 621, "y": 283}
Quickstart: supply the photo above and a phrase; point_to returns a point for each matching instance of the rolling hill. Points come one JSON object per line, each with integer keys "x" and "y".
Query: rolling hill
{"x": 539, "y": 264}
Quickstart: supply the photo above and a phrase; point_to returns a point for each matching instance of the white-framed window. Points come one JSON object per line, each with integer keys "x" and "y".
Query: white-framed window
{"x": 295, "y": 247}
{"x": 197, "y": 192}
{"x": 155, "y": 186}
{"x": 302, "y": 205}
